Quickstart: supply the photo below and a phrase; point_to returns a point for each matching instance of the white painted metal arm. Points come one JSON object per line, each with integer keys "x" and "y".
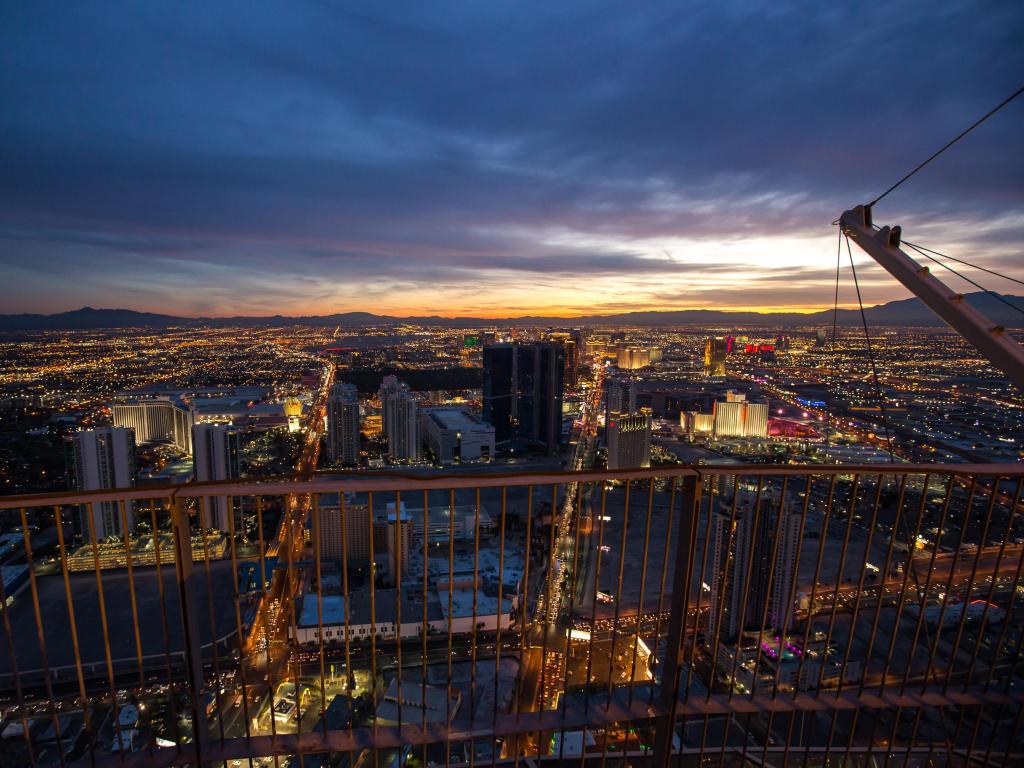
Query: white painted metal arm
{"x": 1001, "y": 349}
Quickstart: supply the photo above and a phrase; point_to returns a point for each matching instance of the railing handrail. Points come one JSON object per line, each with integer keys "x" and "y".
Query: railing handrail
{"x": 360, "y": 481}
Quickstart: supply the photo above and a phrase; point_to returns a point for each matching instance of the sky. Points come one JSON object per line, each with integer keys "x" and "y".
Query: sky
{"x": 494, "y": 158}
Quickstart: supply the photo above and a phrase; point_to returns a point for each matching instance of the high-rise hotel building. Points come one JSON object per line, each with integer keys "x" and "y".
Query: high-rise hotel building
{"x": 343, "y": 424}
{"x": 102, "y": 459}
{"x": 156, "y": 419}
{"x": 218, "y": 456}
{"x": 400, "y": 416}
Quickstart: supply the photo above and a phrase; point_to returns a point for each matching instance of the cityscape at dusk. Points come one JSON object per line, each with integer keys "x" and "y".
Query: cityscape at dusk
{"x": 497, "y": 384}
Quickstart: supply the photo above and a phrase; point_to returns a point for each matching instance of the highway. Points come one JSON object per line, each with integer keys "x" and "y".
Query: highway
{"x": 552, "y": 618}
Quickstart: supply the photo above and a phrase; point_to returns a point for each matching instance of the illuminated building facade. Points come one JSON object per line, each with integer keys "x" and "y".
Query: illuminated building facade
{"x": 343, "y": 424}
{"x": 217, "y": 453}
{"x": 736, "y": 417}
{"x": 716, "y": 348}
{"x": 628, "y": 438}
{"x": 160, "y": 419}
{"x": 102, "y": 459}
{"x": 400, "y": 413}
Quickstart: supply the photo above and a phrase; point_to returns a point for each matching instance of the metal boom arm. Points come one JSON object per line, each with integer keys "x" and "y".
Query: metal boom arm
{"x": 990, "y": 339}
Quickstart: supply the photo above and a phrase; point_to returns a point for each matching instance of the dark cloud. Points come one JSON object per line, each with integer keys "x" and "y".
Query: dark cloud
{"x": 299, "y": 153}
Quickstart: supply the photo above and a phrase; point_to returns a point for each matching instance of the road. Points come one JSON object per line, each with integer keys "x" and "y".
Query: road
{"x": 269, "y": 630}
{"x": 551, "y": 619}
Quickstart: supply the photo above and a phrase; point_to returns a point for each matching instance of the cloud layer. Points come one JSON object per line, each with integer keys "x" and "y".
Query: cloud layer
{"x": 492, "y": 158}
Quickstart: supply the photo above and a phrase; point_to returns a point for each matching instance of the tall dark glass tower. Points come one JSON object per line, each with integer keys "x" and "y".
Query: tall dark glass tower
{"x": 523, "y": 392}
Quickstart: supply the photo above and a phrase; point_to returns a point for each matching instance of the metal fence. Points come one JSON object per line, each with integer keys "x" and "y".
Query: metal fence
{"x": 778, "y": 615}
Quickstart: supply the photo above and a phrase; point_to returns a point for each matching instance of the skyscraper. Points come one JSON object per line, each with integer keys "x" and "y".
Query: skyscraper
{"x": 399, "y": 411}
{"x": 629, "y": 440}
{"x": 523, "y": 386}
{"x": 156, "y": 419}
{"x": 736, "y": 417}
{"x": 102, "y": 459}
{"x": 217, "y": 453}
{"x": 620, "y": 396}
{"x": 742, "y": 559}
{"x": 500, "y": 389}
{"x": 352, "y": 548}
{"x": 343, "y": 424}
{"x": 715, "y": 350}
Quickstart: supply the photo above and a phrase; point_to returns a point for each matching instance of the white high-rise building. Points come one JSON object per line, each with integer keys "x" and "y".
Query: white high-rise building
{"x": 628, "y": 436}
{"x": 217, "y": 452}
{"x": 343, "y": 424}
{"x": 399, "y": 413}
{"x": 102, "y": 459}
{"x": 736, "y": 417}
{"x": 156, "y": 419}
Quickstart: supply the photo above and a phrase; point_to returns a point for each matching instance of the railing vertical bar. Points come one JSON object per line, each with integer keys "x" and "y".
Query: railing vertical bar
{"x": 101, "y": 598}
{"x": 930, "y": 654}
{"x": 40, "y": 636}
{"x": 682, "y": 582}
{"x": 497, "y": 637}
{"x": 315, "y": 524}
{"x": 643, "y": 585}
{"x": 623, "y": 538}
{"x": 964, "y": 603}
{"x": 882, "y": 589}
{"x": 998, "y": 648}
{"x": 830, "y": 632}
{"x": 762, "y": 622}
{"x": 473, "y": 640}
{"x": 593, "y": 602}
{"x": 373, "y": 622}
{"x": 549, "y": 579}
{"x": 238, "y": 620}
{"x": 451, "y": 578}
{"x": 291, "y": 592}
{"x": 204, "y": 517}
{"x": 131, "y": 594}
{"x": 923, "y": 598}
{"x": 73, "y": 624}
{"x": 164, "y": 625}
{"x": 186, "y": 577}
{"x": 264, "y": 616}
{"x": 664, "y": 573}
{"x": 17, "y": 680}
{"x": 397, "y": 575}
{"x": 426, "y": 626}
{"x": 790, "y": 602}
{"x": 970, "y": 581}
{"x": 570, "y": 613}
{"x": 879, "y": 481}
{"x": 826, "y": 518}
{"x": 347, "y": 606}
{"x": 756, "y": 512}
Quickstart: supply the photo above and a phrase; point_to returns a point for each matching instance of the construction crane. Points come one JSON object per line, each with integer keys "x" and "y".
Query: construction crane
{"x": 989, "y": 338}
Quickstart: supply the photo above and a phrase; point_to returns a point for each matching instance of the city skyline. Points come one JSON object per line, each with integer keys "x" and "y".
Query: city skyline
{"x": 546, "y": 162}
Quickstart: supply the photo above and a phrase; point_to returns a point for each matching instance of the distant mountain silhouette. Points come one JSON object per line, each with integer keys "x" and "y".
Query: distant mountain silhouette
{"x": 905, "y": 313}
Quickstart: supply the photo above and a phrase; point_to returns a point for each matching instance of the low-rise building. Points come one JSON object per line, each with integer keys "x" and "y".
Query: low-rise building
{"x": 454, "y": 435}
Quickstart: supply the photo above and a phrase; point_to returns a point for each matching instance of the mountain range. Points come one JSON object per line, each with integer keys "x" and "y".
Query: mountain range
{"x": 905, "y": 312}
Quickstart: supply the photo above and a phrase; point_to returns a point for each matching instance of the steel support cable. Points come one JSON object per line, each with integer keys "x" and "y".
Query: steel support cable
{"x": 871, "y": 356}
{"x": 951, "y": 142}
{"x": 962, "y": 276}
{"x": 919, "y": 248}
{"x": 835, "y": 326}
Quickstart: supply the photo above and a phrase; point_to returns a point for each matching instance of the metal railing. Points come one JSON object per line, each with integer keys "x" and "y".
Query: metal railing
{"x": 778, "y": 615}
